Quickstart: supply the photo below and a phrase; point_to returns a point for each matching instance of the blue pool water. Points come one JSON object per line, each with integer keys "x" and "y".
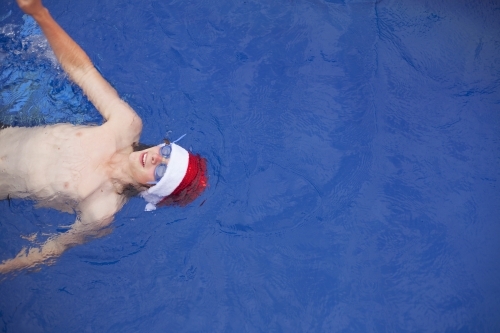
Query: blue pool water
{"x": 354, "y": 152}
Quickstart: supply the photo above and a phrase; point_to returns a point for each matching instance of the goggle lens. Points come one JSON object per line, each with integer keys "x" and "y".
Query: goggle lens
{"x": 160, "y": 169}
{"x": 165, "y": 151}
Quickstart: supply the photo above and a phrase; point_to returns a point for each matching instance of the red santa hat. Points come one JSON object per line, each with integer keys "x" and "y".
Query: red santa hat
{"x": 184, "y": 180}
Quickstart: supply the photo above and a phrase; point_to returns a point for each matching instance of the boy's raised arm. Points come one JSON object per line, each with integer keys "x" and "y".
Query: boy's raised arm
{"x": 81, "y": 70}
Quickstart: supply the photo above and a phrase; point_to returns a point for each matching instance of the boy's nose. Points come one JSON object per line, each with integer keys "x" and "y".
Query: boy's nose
{"x": 155, "y": 159}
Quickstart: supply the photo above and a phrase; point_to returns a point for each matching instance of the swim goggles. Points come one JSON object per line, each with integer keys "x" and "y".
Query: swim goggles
{"x": 165, "y": 151}
{"x": 161, "y": 168}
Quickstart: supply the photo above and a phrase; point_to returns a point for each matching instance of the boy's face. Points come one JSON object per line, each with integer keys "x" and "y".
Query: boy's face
{"x": 143, "y": 164}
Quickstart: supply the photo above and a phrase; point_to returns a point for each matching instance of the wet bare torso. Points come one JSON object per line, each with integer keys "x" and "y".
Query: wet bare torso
{"x": 58, "y": 166}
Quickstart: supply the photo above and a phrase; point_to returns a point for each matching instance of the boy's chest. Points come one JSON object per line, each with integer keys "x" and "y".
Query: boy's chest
{"x": 67, "y": 164}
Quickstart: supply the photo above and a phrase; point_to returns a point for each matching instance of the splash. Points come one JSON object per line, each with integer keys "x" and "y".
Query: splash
{"x": 34, "y": 88}
{"x": 27, "y": 42}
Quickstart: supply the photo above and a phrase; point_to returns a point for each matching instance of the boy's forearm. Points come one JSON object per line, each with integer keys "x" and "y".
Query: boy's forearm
{"x": 69, "y": 54}
{"x": 81, "y": 71}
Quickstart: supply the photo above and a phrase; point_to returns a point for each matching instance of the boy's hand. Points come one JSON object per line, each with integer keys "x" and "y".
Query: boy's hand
{"x": 30, "y": 7}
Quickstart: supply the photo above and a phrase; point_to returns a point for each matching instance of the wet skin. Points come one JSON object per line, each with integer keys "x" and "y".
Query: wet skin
{"x": 143, "y": 164}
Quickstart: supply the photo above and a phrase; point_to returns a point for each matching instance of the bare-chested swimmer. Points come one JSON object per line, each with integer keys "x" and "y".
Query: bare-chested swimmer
{"x": 90, "y": 170}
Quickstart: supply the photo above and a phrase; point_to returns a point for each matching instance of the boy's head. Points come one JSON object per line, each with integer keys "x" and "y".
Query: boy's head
{"x": 179, "y": 176}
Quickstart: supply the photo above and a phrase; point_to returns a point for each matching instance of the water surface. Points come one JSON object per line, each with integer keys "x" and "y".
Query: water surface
{"x": 354, "y": 166}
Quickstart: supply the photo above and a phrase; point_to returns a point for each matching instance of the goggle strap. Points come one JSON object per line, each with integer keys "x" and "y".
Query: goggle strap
{"x": 182, "y": 136}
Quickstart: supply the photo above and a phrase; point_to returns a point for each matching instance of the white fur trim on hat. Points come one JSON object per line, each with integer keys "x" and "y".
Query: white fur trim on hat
{"x": 176, "y": 170}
